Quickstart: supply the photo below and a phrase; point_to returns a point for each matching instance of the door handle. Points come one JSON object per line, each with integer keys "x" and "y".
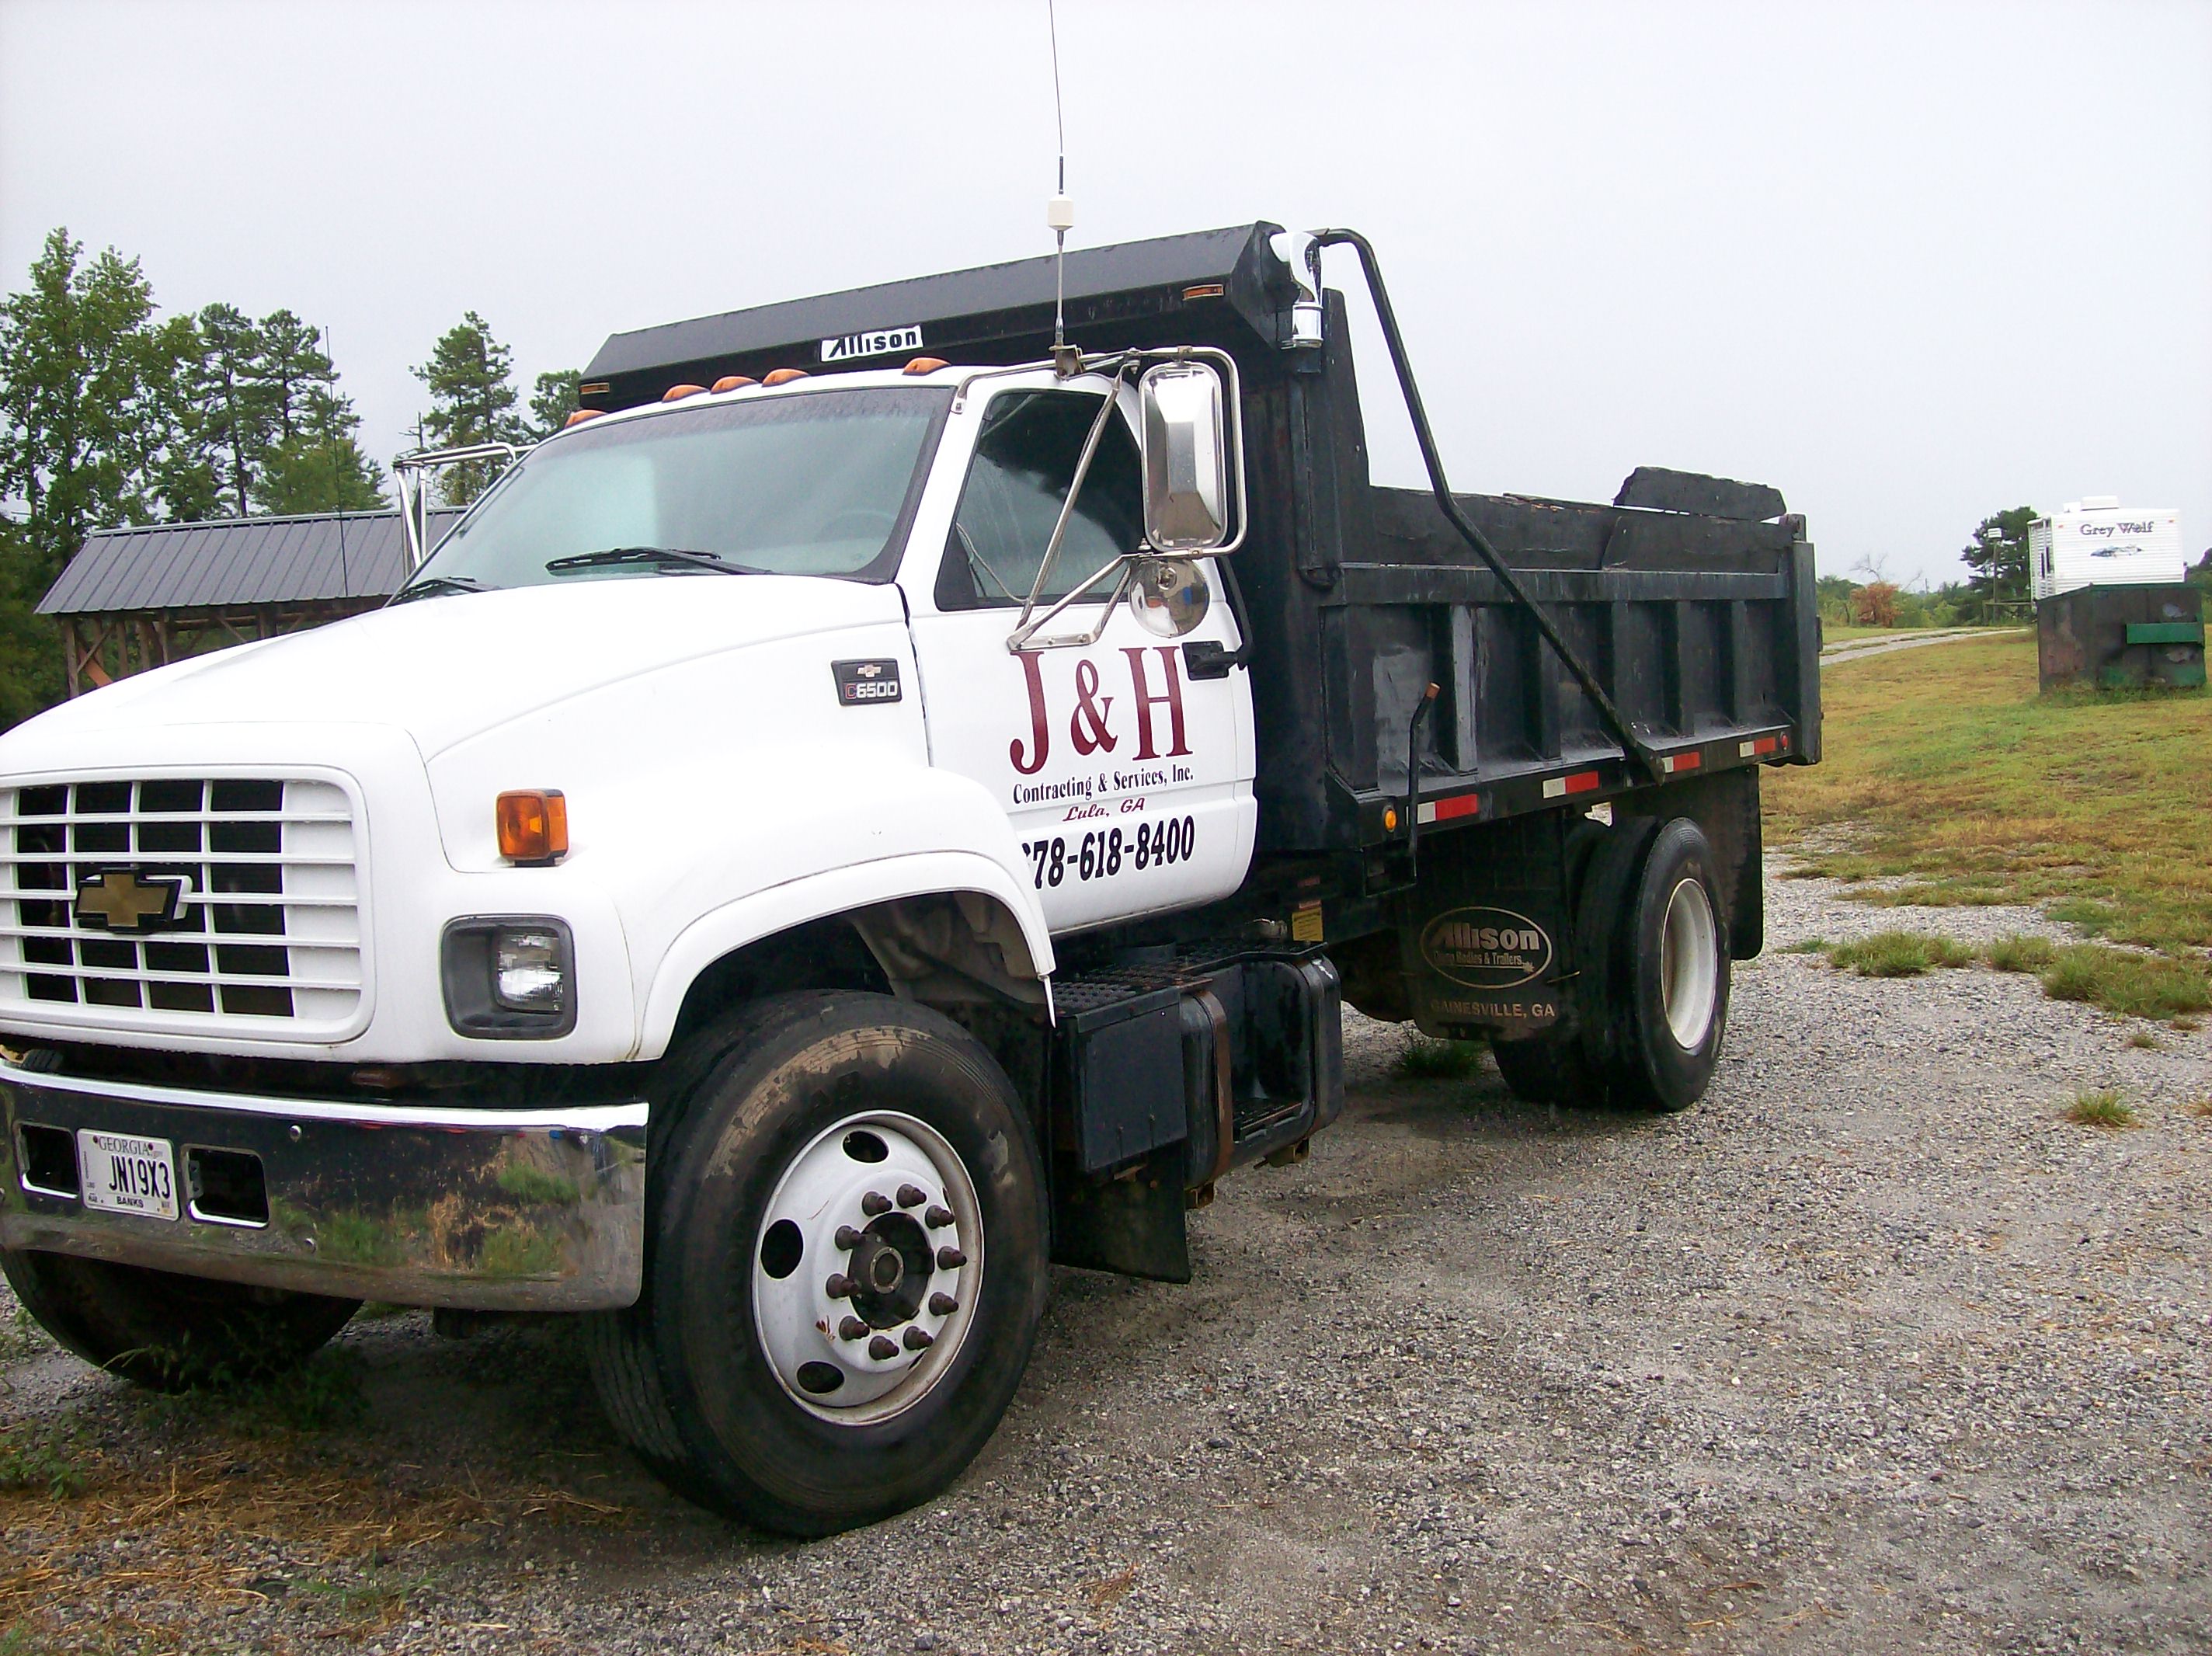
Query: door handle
{"x": 1204, "y": 658}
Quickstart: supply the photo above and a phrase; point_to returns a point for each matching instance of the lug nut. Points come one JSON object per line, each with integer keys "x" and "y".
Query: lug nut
{"x": 912, "y": 1196}
{"x": 950, "y": 1259}
{"x": 943, "y": 1305}
{"x": 851, "y": 1329}
{"x": 875, "y": 1202}
{"x": 848, "y": 1238}
{"x": 883, "y": 1347}
{"x": 917, "y": 1339}
{"x": 839, "y": 1286}
{"x": 938, "y": 1218}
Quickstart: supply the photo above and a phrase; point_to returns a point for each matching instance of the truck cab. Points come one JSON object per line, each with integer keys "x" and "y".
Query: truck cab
{"x": 811, "y": 847}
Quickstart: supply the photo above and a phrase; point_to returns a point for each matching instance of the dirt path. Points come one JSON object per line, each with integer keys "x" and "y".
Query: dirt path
{"x": 1852, "y": 649}
{"x": 1871, "y": 1350}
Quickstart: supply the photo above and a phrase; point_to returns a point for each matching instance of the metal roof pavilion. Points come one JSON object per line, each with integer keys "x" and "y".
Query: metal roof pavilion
{"x": 136, "y": 598}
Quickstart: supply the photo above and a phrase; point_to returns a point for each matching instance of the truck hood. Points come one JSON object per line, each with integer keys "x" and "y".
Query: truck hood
{"x": 448, "y": 669}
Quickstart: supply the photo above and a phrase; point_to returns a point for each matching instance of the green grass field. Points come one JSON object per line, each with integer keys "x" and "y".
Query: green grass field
{"x": 1944, "y": 767}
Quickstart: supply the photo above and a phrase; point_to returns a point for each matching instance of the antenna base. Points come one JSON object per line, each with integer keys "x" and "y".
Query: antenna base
{"x": 1067, "y": 361}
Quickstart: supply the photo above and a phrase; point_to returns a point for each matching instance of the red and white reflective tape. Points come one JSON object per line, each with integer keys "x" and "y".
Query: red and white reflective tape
{"x": 1673, "y": 763}
{"x": 1760, "y": 745}
{"x": 1459, "y": 805}
{"x": 1582, "y": 782}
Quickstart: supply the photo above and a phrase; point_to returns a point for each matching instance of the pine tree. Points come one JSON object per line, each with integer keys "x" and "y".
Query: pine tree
{"x": 554, "y": 401}
{"x": 321, "y": 468}
{"x": 294, "y": 369}
{"x": 237, "y": 416}
{"x": 473, "y": 401}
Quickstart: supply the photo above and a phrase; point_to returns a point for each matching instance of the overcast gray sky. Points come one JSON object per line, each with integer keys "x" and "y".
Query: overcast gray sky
{"x": 1912, "y": 264}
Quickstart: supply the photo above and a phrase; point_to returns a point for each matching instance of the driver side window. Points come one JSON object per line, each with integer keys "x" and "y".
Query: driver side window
{"x": 1024, "y": 461}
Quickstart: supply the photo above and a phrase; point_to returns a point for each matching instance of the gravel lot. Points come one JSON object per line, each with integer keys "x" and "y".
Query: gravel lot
{"x": 1871, "y": 1350}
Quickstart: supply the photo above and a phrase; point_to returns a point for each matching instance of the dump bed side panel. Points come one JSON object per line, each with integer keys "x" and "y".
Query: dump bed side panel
{"x": 1700, "y": 628}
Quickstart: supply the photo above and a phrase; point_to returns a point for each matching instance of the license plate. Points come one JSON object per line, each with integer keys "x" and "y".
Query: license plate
{"x": 127, "y": 1175}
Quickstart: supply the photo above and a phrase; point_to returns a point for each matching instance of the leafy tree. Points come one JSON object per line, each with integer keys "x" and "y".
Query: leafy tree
{"x": 321, "y": 467}
{"x": 83, "y": 384}
{"x": 473, "y": 401}
{"x": 554, "y": 401}
{"x": 2007, "y": 560}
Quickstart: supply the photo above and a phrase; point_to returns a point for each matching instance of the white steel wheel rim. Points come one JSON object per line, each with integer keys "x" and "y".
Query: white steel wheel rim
{"x": 914, "y": 1200}
{"x": 1689, "y": 963}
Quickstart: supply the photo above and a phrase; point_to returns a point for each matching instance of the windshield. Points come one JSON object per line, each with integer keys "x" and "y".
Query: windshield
{"x": 819, "y": 484}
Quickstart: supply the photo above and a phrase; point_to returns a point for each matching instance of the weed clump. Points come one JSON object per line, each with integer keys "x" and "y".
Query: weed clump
{"x": 2133, "y": 985}
{"x": 1428, "y": 1060}
{"x": 2101, "y": 1106}
{"x": 38, "y": 1461}
{"x": 1899, "y": 954}
{"x": 2020, "y": 953}
{"x": 1806, "y": 946}
{"x": 324, "y": 1394}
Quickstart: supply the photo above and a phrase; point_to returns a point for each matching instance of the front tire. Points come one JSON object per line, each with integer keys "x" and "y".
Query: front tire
{"x": 846, "y": 1268}
{"x": 168, "y": 1332}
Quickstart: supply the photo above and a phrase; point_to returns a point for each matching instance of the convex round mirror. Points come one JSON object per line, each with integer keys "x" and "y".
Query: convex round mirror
{"x": 1183, "y": 431}
{"x": 1169, "y": 596}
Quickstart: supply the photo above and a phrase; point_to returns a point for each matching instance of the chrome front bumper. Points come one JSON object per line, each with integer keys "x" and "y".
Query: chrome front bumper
{"x": 414, "y": 1204}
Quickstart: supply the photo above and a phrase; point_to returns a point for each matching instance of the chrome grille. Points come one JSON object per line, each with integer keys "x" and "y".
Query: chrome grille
{"x": 267, "y": 925}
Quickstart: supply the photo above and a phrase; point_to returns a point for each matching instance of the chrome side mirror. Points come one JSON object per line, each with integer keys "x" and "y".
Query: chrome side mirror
{"x": 1184, "y": 434}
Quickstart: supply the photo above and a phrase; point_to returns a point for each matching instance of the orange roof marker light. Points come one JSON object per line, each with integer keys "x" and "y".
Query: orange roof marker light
{"x": 733, "y": 382}
{"x": 924, "y": 365}
{"x": 677, "y": 393}
{"x": 533, "y": 825}
{"x": 582, "y": 414}
{"x": 782, "y": 376}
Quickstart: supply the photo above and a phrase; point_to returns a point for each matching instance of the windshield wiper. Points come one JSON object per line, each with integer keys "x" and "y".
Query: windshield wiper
{"x": 431, "y": 585}
{"x": 672, "y": 556}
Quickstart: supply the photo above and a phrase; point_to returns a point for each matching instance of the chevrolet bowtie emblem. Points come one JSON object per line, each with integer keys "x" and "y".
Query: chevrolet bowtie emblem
{"x": 119, "y": 899}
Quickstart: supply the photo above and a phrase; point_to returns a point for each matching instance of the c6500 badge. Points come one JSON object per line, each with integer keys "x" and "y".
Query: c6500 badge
{"x": 862, "y": 682}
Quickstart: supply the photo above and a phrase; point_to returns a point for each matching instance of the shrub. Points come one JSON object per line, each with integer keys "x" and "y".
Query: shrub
{"x": 1898, "y": 954}
{"x": 2019, "y": 953}
{"x": 1875, "y": 605}
{"x": 2101, "y": 1106}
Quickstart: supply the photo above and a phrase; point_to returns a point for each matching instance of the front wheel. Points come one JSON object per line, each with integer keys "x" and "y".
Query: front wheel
{"x": 847, "y": 1266}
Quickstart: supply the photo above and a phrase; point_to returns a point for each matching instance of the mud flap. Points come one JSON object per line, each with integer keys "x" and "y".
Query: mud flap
{"x": 1485, "y": 937}
{"x": 1132, "y": 1224}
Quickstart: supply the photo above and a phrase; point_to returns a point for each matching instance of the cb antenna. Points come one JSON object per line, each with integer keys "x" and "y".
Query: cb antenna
{"x": 1060, "y": 219}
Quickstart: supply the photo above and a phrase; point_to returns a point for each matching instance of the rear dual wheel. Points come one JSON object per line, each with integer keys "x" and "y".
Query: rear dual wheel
{"x": 846, "y": 1265}
{"x": 1652, "y": 1003}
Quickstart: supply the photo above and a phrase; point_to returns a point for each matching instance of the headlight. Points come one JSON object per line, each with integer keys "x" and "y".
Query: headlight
{"x": 509, "y": 978}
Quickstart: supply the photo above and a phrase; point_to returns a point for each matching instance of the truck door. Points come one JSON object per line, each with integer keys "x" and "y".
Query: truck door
{"x": 1129, "y": 782}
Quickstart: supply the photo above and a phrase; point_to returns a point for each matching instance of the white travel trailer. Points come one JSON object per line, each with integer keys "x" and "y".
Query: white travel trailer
{"x": 2097, "y": 542}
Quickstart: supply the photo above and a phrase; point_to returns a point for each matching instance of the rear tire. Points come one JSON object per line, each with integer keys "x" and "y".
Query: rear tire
{"x": 1669, "y": 990}
{"x": 166, "y": 1332}
{"x": 846, "y": 1265}
{"x": 1652, "y": 1002}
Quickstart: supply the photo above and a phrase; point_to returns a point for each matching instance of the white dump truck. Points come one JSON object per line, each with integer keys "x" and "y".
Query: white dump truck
{"x": 884, "y": 803}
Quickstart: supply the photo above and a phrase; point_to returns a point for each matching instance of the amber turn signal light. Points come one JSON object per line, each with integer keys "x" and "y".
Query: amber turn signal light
{"x": 730, "y": 382}
{"x": 783, "y": 376}
{"x": 533, "y": 825}
{"x": 924, "y": 365}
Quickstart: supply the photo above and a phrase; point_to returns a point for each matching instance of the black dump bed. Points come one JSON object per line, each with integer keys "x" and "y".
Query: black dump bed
{"x": 1689, "y": 600}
